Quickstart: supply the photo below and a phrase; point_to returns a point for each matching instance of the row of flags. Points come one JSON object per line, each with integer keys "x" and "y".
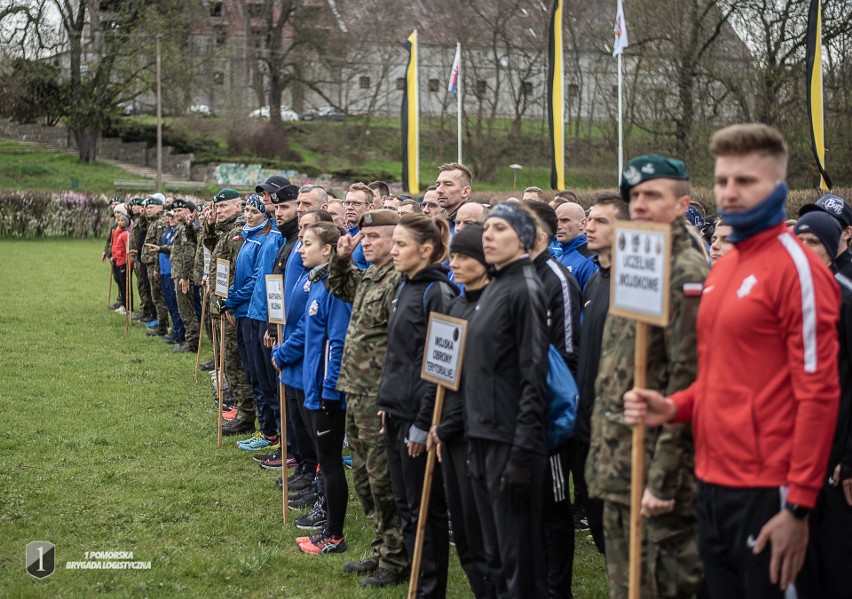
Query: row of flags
{"x": 556, "y": 93}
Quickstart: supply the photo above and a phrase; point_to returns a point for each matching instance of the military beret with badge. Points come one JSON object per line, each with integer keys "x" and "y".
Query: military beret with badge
{"x": 647, "y": 167}
{"x": 181, "y": 203}
{"x": 378, "y": 218}
{"x": 225, "y": 195}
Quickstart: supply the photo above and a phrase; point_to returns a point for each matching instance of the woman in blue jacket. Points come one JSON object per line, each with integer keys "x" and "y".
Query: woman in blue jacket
{"x": 406, "y": 401}
{"x": 257, "y": 228}
{"x": 319, "y": 338}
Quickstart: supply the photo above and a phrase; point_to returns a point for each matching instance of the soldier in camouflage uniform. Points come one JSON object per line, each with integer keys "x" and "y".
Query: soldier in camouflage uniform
{"x": 199, "y": 275}
{"x": 183, "y": 259}
{"x": 224, "y": 240}
{"x": 658, "y": 191}
{"x": 371, "y": 292}
{"x": 147, "y": 312}
{"x": 157, "y": 224}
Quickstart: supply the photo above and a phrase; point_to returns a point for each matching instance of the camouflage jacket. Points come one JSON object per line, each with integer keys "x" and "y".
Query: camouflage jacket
{"x": 137, "y": 235}
{"x": 371, "y": 293}
{"x": 183, "y": 252}
{"x": 224, "y": 241}
{"x": 672, "y": 366}
{"x": 198, "y": 260}
{"x": 151, "y": 258}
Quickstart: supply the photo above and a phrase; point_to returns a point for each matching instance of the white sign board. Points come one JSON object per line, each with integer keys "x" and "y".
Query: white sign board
{"x": 442, "y": 356}
{"x": 222, "y": 272}
{"x": 275, "y": 299}
{"x": 641, "y": 271}
{"x": 206, "y": 261}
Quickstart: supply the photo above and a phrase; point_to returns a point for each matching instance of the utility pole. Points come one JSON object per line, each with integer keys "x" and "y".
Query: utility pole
{"x": 159, "y": 121}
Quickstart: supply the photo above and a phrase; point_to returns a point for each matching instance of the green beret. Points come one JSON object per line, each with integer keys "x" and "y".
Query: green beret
{"x": 650, "y": 166}
{"x": 223, "y": 195}
{"x": 152, "y": 201}
{"x": 137, "y": 202}
{"x": 378, "y": 218}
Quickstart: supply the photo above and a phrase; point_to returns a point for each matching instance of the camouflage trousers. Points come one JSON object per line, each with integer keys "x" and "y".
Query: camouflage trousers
{"x": 186, "y": 309}
{"x": 144, "y": 288}
{"x": 371, "y": 478}
{"x": 235, "y": 373}
{"x": 671, "y": 566}
{"x": 159, "y": 300}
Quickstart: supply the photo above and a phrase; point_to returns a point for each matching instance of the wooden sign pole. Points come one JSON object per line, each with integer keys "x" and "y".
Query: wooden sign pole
{"x": 215, "y": 352}
{"x": 128, "y": 292}
{"x": 637, "y": 473}
{"x": 109, "y": 293}
{"x": 282, "y": 402}
{"x": 200, "y": 334}
{"x": 424, "y": 500}
{"x": 221, "y": 383}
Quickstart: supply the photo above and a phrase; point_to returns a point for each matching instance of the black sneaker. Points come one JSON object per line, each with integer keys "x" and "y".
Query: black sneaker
{"x": 381, "y": 578}
{"x": 265, "y": 456}
{"x": 171, "y": 338}
{"x": 207, "y": 366}
{"x": 182, "y": 348}
{"x": 114, "y": 306}
{"x": 581, "y": 521}
{"x": 155, "y": 332}
{"x": 297, "y": 495}
{"x": 366, "y": 566}
{"x": 307, "y": 500}
{"x": 303, "y": 482}
{"x": 313, "y": 521}
{"x": 235, "y": 427}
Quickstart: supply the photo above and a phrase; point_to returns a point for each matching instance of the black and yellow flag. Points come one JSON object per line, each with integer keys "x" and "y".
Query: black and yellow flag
{"x": 556, "y": 98}
{"x": 814, "y": 76}
{"x": 410, "y": 117}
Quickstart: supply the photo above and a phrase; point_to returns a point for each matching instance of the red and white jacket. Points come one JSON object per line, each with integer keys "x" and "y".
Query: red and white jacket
{"x": 764, "y": 404}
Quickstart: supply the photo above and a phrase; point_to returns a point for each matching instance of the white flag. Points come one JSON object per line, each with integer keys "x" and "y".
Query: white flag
{"x": 453, "y": 86}
{"x": 620, "y": 30}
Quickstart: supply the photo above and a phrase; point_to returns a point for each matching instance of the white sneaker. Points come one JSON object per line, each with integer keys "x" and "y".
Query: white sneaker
{"x": 121, "y": 310}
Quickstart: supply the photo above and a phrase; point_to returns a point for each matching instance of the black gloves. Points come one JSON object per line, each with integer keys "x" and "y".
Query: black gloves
{"x": 517, "y": 483}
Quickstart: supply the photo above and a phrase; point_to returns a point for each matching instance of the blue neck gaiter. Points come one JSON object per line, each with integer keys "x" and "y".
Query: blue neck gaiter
{"x": 767, "y": 214}
{"x": 249, "y": 230}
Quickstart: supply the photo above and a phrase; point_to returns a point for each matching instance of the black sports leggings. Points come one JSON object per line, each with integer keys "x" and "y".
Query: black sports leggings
{"x": 329, "y": 429}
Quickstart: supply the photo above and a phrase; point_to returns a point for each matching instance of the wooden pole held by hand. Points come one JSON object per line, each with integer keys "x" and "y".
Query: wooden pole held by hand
{"x": 424, "y": 500}
{"x": 128, "y": 291}
{"x": 109, "y": 293}
{"x": 637, "y": 473}
{"x": 200, "y": 334}
{"x": 282, "y": 403}
{"x": 221, "y": 383}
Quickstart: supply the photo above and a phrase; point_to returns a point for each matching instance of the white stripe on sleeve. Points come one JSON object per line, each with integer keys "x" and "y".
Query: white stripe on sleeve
{"x": 806, "y": 282}
{"x": 567, "y": 323}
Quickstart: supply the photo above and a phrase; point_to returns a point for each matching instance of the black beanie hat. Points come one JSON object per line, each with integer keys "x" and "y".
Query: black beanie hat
{"x": 468, "y": 242}
{"x": 824, "y": 226}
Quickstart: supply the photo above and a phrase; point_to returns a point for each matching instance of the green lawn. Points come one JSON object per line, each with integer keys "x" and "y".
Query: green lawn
{"x": 27, "y": 167}
{"x": 109, "y": 445}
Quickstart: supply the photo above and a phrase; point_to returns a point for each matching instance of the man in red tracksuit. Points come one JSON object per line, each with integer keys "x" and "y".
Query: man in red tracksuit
{"x": 764, "y": 405}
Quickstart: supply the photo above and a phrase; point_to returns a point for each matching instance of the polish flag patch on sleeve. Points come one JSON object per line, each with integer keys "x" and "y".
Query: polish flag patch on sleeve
{"x": 693, "y": 289}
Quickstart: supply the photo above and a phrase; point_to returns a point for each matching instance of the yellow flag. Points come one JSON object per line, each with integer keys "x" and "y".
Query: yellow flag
{"x": 556, "y": 98}
{"x": 815, "y": 102}
{"x": 410, "y": 117}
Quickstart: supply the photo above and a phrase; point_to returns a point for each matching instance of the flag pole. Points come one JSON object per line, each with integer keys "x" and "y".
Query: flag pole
{"x": 620, "y": 126}
{"x": 459, "y": 103}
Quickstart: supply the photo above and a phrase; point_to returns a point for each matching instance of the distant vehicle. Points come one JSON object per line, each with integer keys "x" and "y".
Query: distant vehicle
{"x": 201, "y": 109}
{"x": 323, "y": 113}
{"x": 263, "y": 113}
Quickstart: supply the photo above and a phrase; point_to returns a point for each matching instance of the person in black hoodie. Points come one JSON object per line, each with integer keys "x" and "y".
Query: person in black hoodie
{"x": 562, "y": 298}
{"x": 606, "y": 209}
{"x": 505, "y": 364}
{"x": 467, "y": 261}
{"x": 405, "y": 401}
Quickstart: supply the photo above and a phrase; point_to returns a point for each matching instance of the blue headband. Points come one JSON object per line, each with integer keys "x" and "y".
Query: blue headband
{"x": 255, "y": 201}
{"x": 519, "y": 220}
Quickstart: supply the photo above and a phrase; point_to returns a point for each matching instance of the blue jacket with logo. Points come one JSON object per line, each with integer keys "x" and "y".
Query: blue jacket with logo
{"x": 320, "y": 336}
{"x": 263, "y": 266}
{"x": 358, "y": 253}
{"x": 245, "y": 272}
{"x": 578, "y": 259}
{"x": 297, "y": 299}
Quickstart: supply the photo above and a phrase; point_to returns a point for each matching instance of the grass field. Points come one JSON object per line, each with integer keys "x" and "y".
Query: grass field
{"x": 110, "y": 446}
{"x": 27, "y": 167}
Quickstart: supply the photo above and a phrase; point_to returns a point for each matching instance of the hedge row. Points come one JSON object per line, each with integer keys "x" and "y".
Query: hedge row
{"x": 29, "y": 214}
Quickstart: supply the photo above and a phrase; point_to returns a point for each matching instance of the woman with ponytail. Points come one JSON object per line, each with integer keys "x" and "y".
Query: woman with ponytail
{"x": 405, "y": 401}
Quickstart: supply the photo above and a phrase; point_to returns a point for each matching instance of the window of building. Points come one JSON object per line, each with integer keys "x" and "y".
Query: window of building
{"x": 481, "y": 87}
{"x": 215, "y": 8}
{"x": 254, "y": 10}
{"x": 221, "y": 38}
{"x": 364, "y": 82}
{"x": 400, "y": 83}
{"x": 614, "y": 91}
{"x": 434, "y": 85}
{"x": 573, "y": 90}
{"x": 218, "y": 77}
{"x": 528, "y": 88}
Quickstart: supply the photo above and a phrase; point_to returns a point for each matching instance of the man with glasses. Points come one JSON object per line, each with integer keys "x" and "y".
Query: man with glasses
{"x": 430, "y": 205}
{"x": 359, "y": 199}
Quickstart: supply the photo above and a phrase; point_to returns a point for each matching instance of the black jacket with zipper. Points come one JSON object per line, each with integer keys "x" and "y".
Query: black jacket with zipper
{"x": 562, "y": 297}
{"x": 595, "y": 309}
{"x": 402, "y": 393}
{"x": 505, "y": 363}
